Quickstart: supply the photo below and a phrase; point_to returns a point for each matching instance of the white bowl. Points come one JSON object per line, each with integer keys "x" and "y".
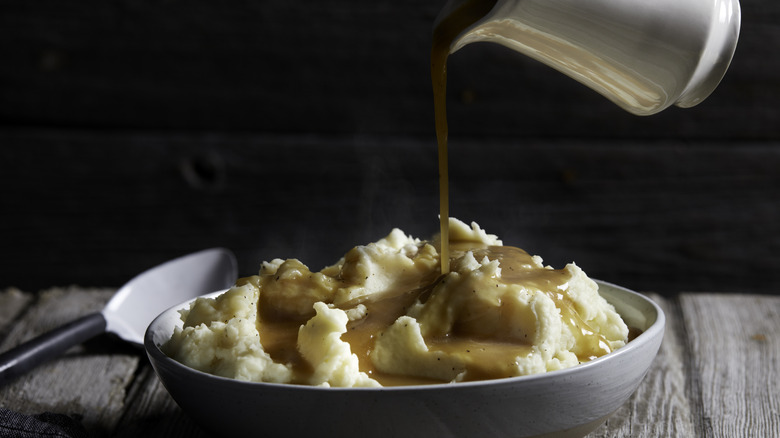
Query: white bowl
{"x": 569, "y": 402}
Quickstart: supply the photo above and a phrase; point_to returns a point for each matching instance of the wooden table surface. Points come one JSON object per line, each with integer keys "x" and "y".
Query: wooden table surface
{"x": 716, "y": 373}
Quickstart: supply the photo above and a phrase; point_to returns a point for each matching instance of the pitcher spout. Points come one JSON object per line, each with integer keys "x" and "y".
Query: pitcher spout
{"x": 643, "y": 55}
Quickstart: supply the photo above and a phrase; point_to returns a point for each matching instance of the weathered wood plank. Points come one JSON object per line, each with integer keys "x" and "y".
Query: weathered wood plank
{"x": 151, "y": 412}
{"x": 88, "y": 382}
{"x": 735, "y": 347}
{"x": 660, "y": 216}
{"x": 660, "y": 407}
{"x": 12, "y": 303}
{"x": 343, "y": 67}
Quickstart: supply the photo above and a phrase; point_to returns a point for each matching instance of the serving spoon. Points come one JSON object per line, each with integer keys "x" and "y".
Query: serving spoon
{"x": 131, "y": 309}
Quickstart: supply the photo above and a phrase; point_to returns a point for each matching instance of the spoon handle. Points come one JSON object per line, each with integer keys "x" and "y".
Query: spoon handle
{"x": 25, "y": 357}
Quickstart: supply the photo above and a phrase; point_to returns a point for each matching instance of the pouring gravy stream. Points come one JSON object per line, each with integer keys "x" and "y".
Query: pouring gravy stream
{"x": 444, "y": 33}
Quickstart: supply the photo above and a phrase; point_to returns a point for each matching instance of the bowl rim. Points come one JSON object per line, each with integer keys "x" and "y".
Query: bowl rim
{"x": 655, "y": 329}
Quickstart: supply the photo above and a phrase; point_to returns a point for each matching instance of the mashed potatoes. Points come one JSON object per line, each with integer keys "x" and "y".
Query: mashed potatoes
{"x": 383, "y": 315}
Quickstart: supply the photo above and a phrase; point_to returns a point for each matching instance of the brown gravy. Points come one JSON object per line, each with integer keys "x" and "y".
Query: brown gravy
{"x": 485, "y": 358}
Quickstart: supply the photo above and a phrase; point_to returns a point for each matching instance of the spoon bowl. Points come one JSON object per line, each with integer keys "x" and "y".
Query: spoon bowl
{"x": 130, "y": 310}
{"x": 138, "y": 302}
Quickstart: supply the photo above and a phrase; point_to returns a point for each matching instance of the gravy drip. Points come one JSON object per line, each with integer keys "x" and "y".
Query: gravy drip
{"x": 517, "y": 268}
{"x": 444, "y": 33}
{"x": 380, "y": 314}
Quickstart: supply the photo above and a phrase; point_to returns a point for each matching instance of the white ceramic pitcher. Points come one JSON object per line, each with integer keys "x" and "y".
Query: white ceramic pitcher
{"x": 644, "y": 55}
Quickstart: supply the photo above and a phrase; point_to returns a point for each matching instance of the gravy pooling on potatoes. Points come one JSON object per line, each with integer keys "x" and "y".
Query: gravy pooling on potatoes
{"x": 488, "y": 355}
{"x": 384, "y": 314}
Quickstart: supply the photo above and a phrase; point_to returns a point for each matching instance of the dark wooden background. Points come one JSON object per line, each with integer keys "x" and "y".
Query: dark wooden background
{"x": 134, "y": 131}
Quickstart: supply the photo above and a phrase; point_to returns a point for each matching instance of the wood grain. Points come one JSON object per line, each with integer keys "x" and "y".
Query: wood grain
{"x": 735, "y": 348}
{"x": 350, "y": 68}
{"x": 12, "y": 304}
{"x": 661, "y": 406}
{"x": 661, "y": 216}
{"x": 88, "y": 382}
{"x": 151, "y": 412}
